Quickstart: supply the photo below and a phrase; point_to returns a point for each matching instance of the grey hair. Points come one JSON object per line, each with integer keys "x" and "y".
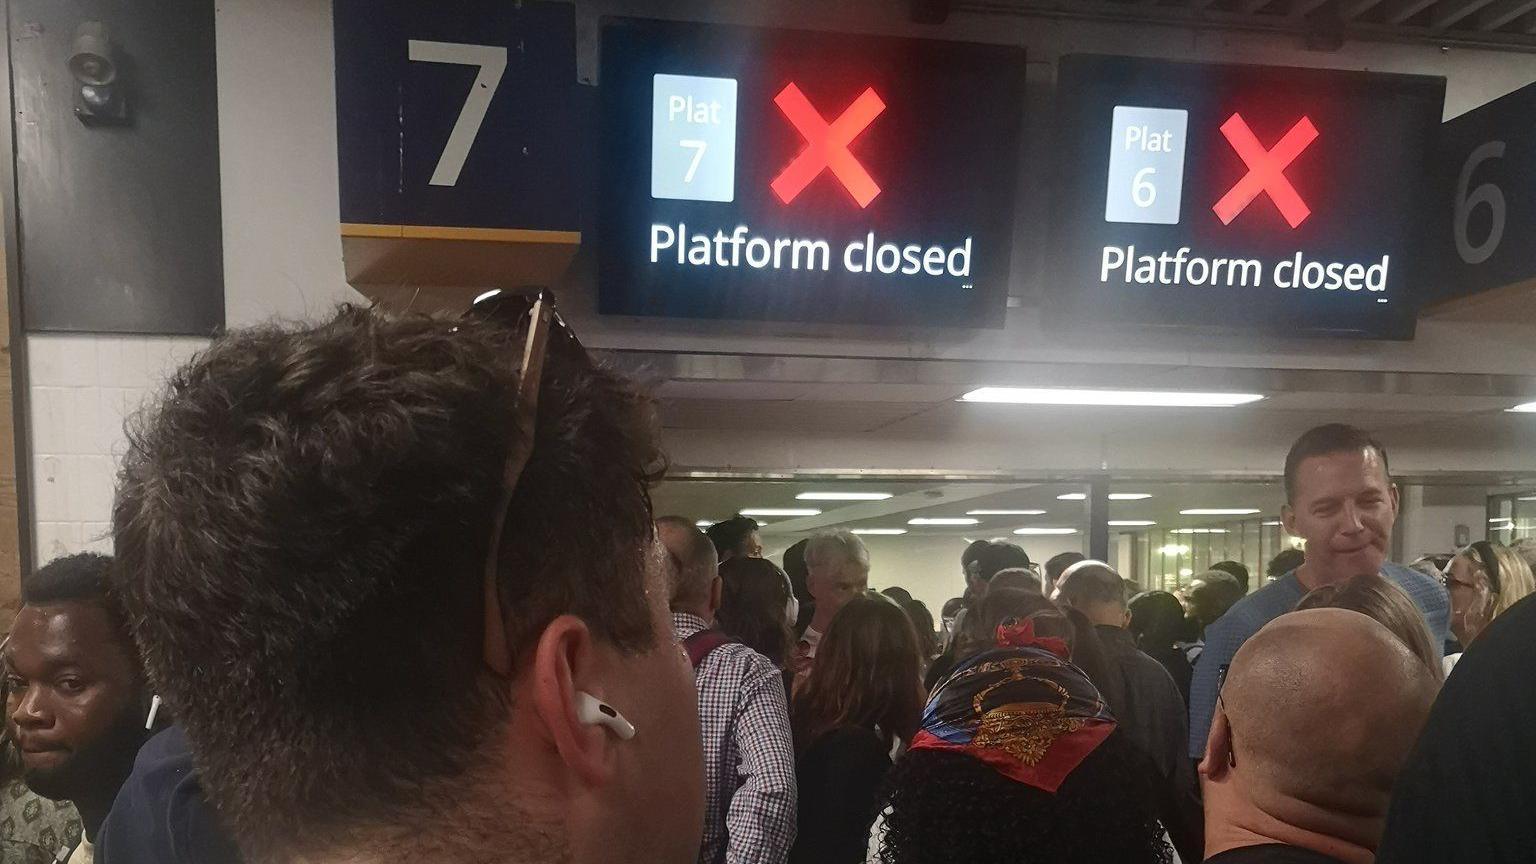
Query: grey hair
{"x": 842, "y": 544}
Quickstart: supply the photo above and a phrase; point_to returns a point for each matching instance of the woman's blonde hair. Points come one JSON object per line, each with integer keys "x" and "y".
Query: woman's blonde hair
{"x": 1509, "y": 577}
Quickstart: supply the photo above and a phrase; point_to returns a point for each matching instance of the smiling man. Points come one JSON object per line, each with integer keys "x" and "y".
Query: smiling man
{"x": 77, "y": 693}
{"x": 1340, "y": 499}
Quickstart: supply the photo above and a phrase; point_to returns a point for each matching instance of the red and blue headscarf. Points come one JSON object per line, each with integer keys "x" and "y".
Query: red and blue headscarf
{"x": 1021, "y": 708}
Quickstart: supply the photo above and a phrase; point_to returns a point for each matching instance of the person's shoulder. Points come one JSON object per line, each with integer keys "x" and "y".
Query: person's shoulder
{"x": 1267, "y": 603}
{"x": 1411, "y": 580}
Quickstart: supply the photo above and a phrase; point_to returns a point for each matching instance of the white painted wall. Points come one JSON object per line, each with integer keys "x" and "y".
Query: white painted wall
{"x": 1427, "y": 523}
{"x": 282, "y": 254}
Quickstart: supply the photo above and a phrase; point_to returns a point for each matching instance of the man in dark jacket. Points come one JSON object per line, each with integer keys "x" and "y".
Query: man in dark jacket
{"x": 1140, "y": 693}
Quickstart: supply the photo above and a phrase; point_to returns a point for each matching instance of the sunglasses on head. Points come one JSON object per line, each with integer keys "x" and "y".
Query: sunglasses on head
{"x": 1483, "y": 550}
{"x": 544, "y": 330}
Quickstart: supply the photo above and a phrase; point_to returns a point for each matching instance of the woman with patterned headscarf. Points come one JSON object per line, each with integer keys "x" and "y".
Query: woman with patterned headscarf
{"x": 1018, "y": 760}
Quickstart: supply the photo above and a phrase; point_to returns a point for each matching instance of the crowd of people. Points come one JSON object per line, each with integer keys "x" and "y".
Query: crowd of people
{"x": 390, "y": 589}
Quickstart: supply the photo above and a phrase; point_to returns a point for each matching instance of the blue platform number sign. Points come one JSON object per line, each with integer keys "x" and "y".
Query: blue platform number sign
{"x": 693, "y": 138}
{"x": 460, "y": 115}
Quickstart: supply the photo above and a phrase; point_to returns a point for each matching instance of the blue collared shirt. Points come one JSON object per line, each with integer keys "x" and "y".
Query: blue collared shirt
{"x": 1250, "y": 614}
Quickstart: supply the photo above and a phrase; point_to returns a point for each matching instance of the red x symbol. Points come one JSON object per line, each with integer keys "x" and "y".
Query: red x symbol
{"x": 826, "y": 146}
{"x": 1266, "y": 170}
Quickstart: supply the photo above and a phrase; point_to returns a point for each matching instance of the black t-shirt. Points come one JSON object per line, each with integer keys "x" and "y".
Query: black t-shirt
{"x": 1271, "y": 853}
{"x": 839, "y": 778}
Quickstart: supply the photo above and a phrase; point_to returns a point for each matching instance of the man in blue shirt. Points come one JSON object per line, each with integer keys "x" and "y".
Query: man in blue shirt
{"x": 1340, "y": 499}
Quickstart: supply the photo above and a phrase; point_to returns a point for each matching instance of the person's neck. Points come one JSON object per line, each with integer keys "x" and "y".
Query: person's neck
{"x": 1229, "y": 828}
{"x": 822, "y": 620}
{"x": 1313, "y": 577}
{"x": 706, "y": 614}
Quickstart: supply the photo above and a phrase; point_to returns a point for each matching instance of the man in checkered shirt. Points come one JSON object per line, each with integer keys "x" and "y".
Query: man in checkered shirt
{"x": 749, "y": 756}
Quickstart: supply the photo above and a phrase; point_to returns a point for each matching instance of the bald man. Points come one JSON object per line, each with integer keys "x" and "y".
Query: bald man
{"x": 749, "y": 761}
{"x": 1317, "y": 716}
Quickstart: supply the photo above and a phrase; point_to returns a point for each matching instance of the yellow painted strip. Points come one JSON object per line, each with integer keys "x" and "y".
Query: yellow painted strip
{"x": 444, "y": 232}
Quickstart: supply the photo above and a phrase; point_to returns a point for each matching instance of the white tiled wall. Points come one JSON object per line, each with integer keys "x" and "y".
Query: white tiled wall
{"x": 82, "y": 387}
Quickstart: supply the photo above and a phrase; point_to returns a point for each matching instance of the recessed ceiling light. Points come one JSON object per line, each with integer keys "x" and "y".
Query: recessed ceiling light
{"x": 780, "y": 511}
{"x": 1523, "y": 408}
{"x": 947, "y": 520}
{"x": 1198, "y": 531}
{"x": 880, "y": 532}
{"x": 1220, "y": 511}
{"x": 1131, "y": 523}
{"x": 1129, "y": 496}
{"x": 1072, "y": 496}
{"x": 842, "y": 496}
{"x": 1173, "y": 549}
{"x": 1005, "y": 512}
{"x": 1111, "y": 398}
{"x": 1026, "y": 532}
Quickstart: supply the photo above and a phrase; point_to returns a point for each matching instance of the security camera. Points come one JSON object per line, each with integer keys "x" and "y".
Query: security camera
{"x": 99, "y": 98}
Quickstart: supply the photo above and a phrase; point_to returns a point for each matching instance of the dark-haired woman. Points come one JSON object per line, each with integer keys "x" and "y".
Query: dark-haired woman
{"x": 1158, "y": 624}
{"x": 757, "y": 608}
{"x": 862, "y": 699}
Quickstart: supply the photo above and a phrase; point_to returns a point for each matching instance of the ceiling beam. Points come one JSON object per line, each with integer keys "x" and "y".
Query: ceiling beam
{"x": 1501, "y": 13}
{"x": 899, "y": 506}
{"x": 1447, "y": 15}
{"x": 1352, "y": 9}
{"x": 1398, "y": 11}
{"x": 1303, "y": 8}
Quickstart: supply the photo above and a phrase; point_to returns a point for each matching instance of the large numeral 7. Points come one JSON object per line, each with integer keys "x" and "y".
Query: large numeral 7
{"x": 492, "y": 60}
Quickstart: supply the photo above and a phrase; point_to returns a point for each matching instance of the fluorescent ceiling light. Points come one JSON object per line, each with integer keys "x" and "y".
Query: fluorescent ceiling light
{"x": 486, "y": 296}
{"x": 880, "y": 532}
{"x": 780, "y": 511}
{"x": 1072, "y": 496}
{"x": 842, "y": 496}
{"x": 1502, "y": 528}
{"x": 1173, "y": 549}
{"x": 1220, "y": 511}
{"x": 1129, "y": 496}
{"x": 1272, "y": 523}
{"x": 1111, "y": 398}
{"x": 1131, "y": 523}
{"x": 1198, "y": 531}
{"x": 1005, "y": 512}
{"x": 1500, "y": 519}
{"x": 703, "y": 523}
{"x": 1524, "y": 408}
{"x": 1529, "y": 498}
{"x": 1026, "y": 532}
{"x": 957, "y": 520}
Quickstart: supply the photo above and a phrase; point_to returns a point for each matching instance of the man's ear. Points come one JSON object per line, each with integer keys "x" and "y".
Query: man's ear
{"x": 1218, "y": 748}
{"x": 716, "y": 588}
{"x": 1397, "y": 502}
{"x": 1288, "y": 519}
{"x": 565, "y": 660}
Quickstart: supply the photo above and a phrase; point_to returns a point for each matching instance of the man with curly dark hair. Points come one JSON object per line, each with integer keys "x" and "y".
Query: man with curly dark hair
{"x": 398, "y": 579}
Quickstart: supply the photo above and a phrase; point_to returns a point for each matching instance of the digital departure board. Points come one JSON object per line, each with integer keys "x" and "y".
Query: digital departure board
{"x": 1273, "y": 199}
{"x": 800, "y": 176}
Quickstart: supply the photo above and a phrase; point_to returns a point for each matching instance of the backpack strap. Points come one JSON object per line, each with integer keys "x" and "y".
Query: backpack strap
{"x": 700, "y": 644}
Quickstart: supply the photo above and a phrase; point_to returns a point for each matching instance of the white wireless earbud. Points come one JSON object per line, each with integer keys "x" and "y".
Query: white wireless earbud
{"x": 154, "y": 711}
{"x": 594, "y": 712}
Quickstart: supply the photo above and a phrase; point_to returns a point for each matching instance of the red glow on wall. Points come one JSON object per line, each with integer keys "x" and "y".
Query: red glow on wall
{"x": 1266, "y": 170}
{"x": 826, "y": 145}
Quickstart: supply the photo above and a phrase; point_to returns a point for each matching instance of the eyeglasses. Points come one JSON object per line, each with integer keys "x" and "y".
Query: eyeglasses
{"x": 544, "y": 326}
{"x": 1483, "y": 556}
